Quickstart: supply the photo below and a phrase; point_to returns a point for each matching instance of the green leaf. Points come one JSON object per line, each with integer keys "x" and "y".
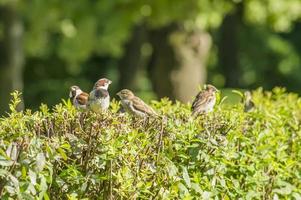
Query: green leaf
{"x": 238, "y": 93}
{"x": 46, "y": 197}
{"x": 23, "y": 171}
{"x": 3, "y": 172}
{"x": 6, "y": 163}
{"x": 15, "y": 182}
{"x": 206, "y": 195}
{"x": 182, "y": 188}
{"x": 284, "y": 190}
{"x": 11, "y": 151}
{"x": 3, "y": 154}
{"x": 62, "y": 153}
{"x": 186, "y": 177}
{"x": 196, "y": 188}
{"x": 10, "y": 190}
{"x": 297, "y": 196}
{"x": 33, "y": 177}
{"x": 66, "y": 146}
{"x": 172, "y": 169}
{"x": 43, "y": 183}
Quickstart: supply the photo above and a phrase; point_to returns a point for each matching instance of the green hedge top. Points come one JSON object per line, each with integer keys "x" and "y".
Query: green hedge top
{"x": 227, "y": 154}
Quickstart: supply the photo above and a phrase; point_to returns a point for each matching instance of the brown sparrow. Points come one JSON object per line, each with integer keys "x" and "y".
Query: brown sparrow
{"x": 99, "y": 98}
{"x": 134, "y": 105}
{"x": 248, "y": 103}
{"x": 204, "y": 101}
{"x": 78, "y": 98}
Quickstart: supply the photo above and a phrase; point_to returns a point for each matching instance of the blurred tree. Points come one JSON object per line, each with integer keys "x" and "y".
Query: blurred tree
{"x": 272, "y": 61}
{"x": 162, "y": 62}
{"x": 180, "y": 44}
{"x": 132, "y": 58}
{"x": 178, "y": 63}
{"x": 11, "y": 53}
{"x": 250, "y": 49}
{"x": 278, "y": 15}
{"x": 228, "y": 51}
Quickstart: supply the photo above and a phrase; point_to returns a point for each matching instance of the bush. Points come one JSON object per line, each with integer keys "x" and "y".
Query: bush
{"x": 228, "y": 154}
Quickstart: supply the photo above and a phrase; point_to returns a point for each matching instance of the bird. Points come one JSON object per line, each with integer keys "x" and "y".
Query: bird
{"x": 247, "y": 100}
{"x": 134, "y": 105}
{"x": 204, "y": 101}
{"x": 99, "y": 97}
{"x": 78, "y": 98}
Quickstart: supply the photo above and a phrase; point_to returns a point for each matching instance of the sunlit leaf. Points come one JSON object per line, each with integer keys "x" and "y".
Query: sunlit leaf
{"x": 40, "y": 161}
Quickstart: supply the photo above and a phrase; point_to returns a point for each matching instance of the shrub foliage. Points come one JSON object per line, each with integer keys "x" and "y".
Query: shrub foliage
{"x": 228, "y": 154}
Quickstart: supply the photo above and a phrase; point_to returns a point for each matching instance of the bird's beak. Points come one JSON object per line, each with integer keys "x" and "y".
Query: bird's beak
{"x": 118, "y": 94}
{"x": 110, "y": 82}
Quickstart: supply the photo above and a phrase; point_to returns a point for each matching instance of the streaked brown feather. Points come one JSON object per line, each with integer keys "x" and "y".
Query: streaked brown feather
{"x": 142, "y": 107}
{"x": 82, "y": 99}
{"x": 202, "y": 99}
{"x": 248, "y": 102}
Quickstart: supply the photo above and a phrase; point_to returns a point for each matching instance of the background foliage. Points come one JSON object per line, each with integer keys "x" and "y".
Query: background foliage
{"x": 228, "y": 154}
{"x": 253, "y": 43}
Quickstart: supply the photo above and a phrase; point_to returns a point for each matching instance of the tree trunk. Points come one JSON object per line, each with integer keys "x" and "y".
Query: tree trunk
{"x": 178, "y": 62}
{"x": 11, "y": 53}
{"x": 131, "y": 60}
{"x": 228, "y": 49}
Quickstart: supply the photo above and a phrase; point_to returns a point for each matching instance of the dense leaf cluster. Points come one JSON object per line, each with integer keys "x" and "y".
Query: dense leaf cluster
{"x": 228, "y": 154}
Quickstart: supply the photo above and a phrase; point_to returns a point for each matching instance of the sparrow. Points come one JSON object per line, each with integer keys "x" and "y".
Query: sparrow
{"x": 78, "y": 98}
{"x": 204, "y": 100}
{"x": 134, "y": 105}
{"x": 99, "y": 98}
{"x": 248, "y": 103}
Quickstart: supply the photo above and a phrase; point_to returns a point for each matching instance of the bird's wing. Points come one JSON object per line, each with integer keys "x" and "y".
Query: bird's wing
{"x": 139, "y": 105}
{"x": 252, "y": 103}
{"x": 82, "y": 98}
{"x": 201, "y": 100}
